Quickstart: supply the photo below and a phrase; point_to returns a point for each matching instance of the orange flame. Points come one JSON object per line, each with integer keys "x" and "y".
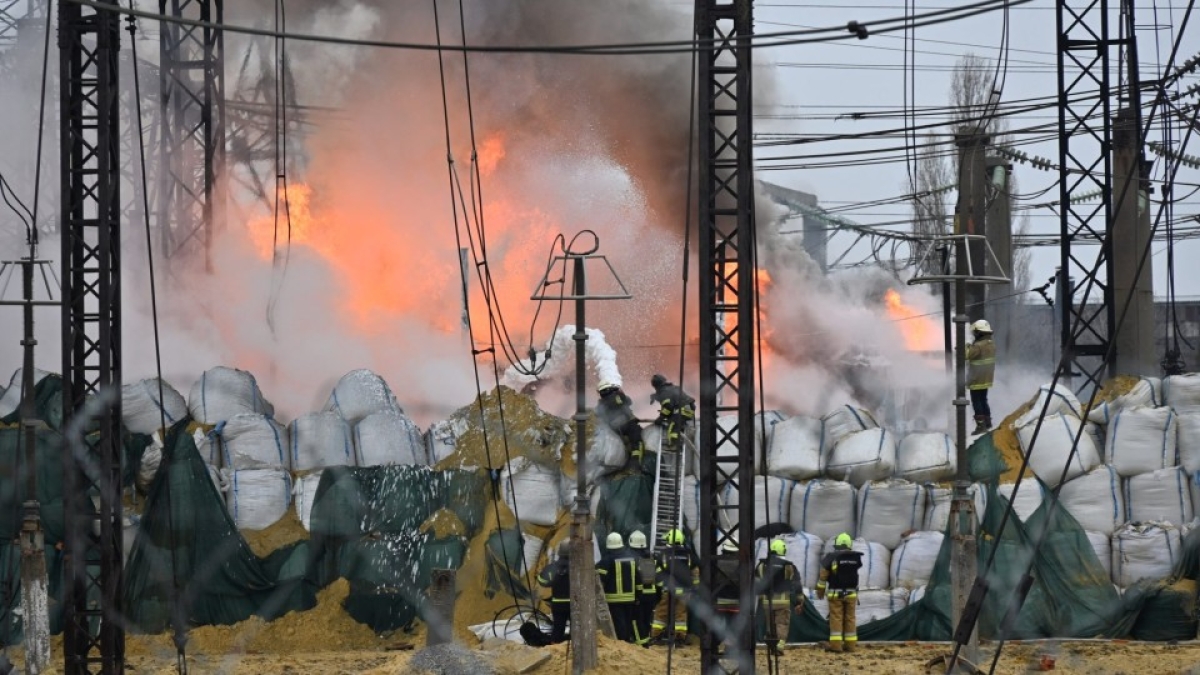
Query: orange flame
{"x": 919, "y": 331}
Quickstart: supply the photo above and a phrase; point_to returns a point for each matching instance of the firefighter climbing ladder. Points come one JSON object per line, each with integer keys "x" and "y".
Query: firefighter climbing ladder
{"x": 668, "y": 489}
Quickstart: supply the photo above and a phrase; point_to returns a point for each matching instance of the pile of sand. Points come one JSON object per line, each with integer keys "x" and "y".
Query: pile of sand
{"x": 527, "y": 431}
{"x": 287, "y": 530}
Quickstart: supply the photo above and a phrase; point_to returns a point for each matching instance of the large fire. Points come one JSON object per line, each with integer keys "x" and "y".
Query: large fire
{"x": 920, "y": 332}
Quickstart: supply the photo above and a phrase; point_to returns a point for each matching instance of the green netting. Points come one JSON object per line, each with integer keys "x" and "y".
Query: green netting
{"x": 505, "y": 563}
{"x": 626, "y": 503}
{"x": 188, "y": 556}
{"x": 47, "y": 401}
{"x": 48, "y": 458}
{"x": 389, "y": 575}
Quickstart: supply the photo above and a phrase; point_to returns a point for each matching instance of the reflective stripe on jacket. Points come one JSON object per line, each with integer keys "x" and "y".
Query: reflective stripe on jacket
{"x": 981, "y": 363}
{"x": 778, "y": 581}
{"x": 619, "y": 577}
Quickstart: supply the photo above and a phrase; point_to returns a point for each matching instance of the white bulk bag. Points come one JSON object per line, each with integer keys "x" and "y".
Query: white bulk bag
{"x": 1141, "y": 440}
{"x": 772, "y": 499}
{"x": 1162, "y": 495}
{"x": 303, "y": 494}
{"x": 258, "y": 498}
{"x": 916, "y": 594}
{"x": 1102, "y": 545}
{"x": 863, "y": 456}
{"x": 913, "y": 561}
{"x": 360, "y": 393}
{"x": 222, "y": 393}
{"x": 141, "y": 411}
{"x": 1095, "y": 499}
{"x": 152, "y": 458}
{"x": 803, "y": 549}
{"x": 441, "y": 440}
{"x": 1144, "y": 551}
{"x": 690, "y": 504}
{"x": 606, "y": 453}
{"x": 1062, "y": 400}
{"x": 764, "y": 428}
{"x": 842, "y": 422}
{"x": 389, "y": 438}
{"x": 1188, "y": 435}
{"x": 926, "y": 457}
{"x": 532, "y": 550}
{"x": 876, "y": 569}
{"x": 10, "y": 401}
{"x": 938, "y": 501}
{"x": 252, "y": 442}
{"x": 1029, "y": 497}
{"x": 823, "y": 507}
{"x": 1054, "y": 443}
{"x": 1147, "y": 392}
{"x": 888, "y": 509}
{"x": 652, "y": 436}
{"x": 795, "y": 450}
{"x": 531, "y": 491}
{"x": 1179, "y": 391}
{"x": 875, "y": 604}
{"x": 321, "y": 439}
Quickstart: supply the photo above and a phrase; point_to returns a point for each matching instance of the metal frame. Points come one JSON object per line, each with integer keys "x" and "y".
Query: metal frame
{"x": 727, "y": 369}
{"x": 89, "y": 44}
{"x": 1085, "y": 70}
{"x": 192, "y": 70}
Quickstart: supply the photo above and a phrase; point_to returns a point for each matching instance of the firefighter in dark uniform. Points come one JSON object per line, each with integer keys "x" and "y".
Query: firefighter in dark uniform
{"x": 839, "y": 581}
{"x": 779, "y": 592}
{"x": 616, "y": 410}
{"x": 619, "y": 577}
{"x": 676, "y": 410}
{"x": 728, "y": 593}
{"x": 678, "y": 576}
{"x": 557, "y": 577}
{"x": 647, "y": 584}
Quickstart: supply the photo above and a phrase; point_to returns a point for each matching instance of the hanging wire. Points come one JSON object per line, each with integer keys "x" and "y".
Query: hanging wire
{"x": 280, "y": 128}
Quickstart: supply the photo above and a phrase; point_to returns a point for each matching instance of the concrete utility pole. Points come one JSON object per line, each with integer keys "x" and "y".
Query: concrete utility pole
{"x": 1135, "y": 349}
{"x": 998, "y": 228}
{"x": 970, "y": 213}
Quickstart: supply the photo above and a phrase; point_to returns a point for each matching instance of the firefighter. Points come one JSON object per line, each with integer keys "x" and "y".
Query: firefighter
{"x": 981, "y": 370}
{"x": 616, "y": 410}
{"x": 779, "y": 592}
{"x": 676, "y": 410}
{"x": 678, "y": 575}
{"x": 647, "y": 585}
{"x": 728, "y": 594}
{"x": 839, "y": 581}
{"x": 557, "y": 577}
{"x": 619, "y": 577}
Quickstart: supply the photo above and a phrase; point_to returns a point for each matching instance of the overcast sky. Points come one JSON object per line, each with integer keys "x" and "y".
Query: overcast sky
{"x": 818, "y": 83}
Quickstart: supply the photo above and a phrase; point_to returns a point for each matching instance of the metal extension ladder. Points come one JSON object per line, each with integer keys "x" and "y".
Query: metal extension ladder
{"x": 668, "y": 490}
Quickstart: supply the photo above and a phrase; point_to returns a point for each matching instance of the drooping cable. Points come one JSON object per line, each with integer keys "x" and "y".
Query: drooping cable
{"x": 687, "y": 207}
{"x": 279, "y": 123}
{"x": 178, "y": 624}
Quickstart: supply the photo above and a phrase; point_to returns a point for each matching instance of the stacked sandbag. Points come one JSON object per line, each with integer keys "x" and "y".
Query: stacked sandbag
{"x": 319, "y": 440}
{"x": 249, "y": 441}
{"x": 875, "y": 604}
{"x": 1054, "y": 443}
{"x": 531, "y": 491}
{"x": 863, "y": 456}
{"x": 361, "y": 393}
{"x": 823, "y": 507}
{"x": 222, "y": 393}
{"x": 1141, "y": 440}
{"x": 913, "y": 561}
{"x": 876, "y": 569}
{"x": 1102, "y": 544}
{"x": 1147, "y": 392}
{"x": 926, "y": 457}
{"x": 441, "y": 440}
{"x": 652, "y": 437}
{"x": 888, "y": 509}
{"x": 1179, "y": 391}
{"x": 206, "y": 444}
{"x": 1061, "y": 400}
{"x": 142, "y": 411}
{"x": 1144, "y": 551}
{"x": 690, "y": 505}
{"x": 1187, "y": 424}
{"x": 764, "y": 428}
{"x": 258, "y": 498}
{"x": 304, "y": 493}
{"x": 1161, "y": 495}
{"x": 531, "y": 550}
{"x": 388, "y": 438}
{"x": 939, "y": 500}
{"x": 804, "y": 550}
{"x": 772, "y": 499}
{"x": 1029, "y": 497}
{"x": 1095, "y": 499}
{"x": 842, "y": 422}
{"x": 606, "y": 452}
{"x": 795, "y": 451}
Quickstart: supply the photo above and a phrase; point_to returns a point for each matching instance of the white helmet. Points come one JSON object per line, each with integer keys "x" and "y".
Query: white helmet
{"x": 982, "y": 326}
{"x": 605, "y": 385}
{"x": 613, "y": 541}
{"x": 729, "y": 546}
{"x": 637, "y": 540}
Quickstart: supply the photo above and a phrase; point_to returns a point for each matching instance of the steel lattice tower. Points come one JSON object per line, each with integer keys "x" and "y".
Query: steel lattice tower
{"x": 726, "y": 195}
{"x": 192, "y": 68}
{"x": 89, "y": 44}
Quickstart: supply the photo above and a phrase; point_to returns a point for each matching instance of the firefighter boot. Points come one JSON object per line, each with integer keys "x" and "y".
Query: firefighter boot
{"x": 832, "y": 646}
{"x": 981, "y": 425}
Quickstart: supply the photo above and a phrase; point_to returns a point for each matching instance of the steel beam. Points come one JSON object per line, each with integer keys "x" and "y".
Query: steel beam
{"x": 89, "y": 44}
{"x": 192, "y": 69}
{"x": 727, "y": 369}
